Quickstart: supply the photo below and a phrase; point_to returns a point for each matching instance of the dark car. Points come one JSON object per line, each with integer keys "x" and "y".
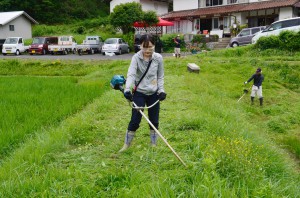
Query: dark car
{"x": 158, "y": 43}
{"x": 39, "y": 45}
{"x": 245, "y": 36}
{"x": 1, "y": 44}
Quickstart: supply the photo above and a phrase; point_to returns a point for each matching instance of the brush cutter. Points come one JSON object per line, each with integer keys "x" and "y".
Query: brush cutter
{"x": 245, "y": 92}
{"x": 117, "y": 83}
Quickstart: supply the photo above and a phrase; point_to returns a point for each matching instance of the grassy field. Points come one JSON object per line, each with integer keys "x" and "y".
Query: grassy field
{"x": 231, "y": 149}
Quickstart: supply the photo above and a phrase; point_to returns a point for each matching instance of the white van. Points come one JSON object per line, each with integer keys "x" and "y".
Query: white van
{"x": 13, "y": 45}
{"x": 292, "y": 24}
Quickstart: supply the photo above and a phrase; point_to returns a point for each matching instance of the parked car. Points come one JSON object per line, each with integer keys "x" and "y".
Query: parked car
{"x": 115, "y": 45}
{"x": 292, "y": 24}
{"x": 40, "y": 45}
{"x": 245, "y": 36}
{"x": 14, "y": 45}
{"x": 1, "y": 44}
{"x": 137, "y": 43}
{"x": 65, "y": 45}
{"x": 91, "y": 45}
{"x": 158, "y": 43}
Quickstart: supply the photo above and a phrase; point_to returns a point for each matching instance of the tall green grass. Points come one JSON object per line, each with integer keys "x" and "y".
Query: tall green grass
{"x": 230, "y": 148}
{"x": 29, "y": 103}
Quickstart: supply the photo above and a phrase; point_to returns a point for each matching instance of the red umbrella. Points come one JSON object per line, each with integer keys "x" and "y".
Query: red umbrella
{"x": 161, "y": 22}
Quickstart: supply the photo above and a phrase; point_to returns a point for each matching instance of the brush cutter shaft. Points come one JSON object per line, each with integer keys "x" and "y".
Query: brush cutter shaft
{"x": 160, "y": 135}
{"x": 241, "y": 97}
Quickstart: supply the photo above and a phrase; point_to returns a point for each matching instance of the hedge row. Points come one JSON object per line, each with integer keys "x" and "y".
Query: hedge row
{"x": 287, "y": 40}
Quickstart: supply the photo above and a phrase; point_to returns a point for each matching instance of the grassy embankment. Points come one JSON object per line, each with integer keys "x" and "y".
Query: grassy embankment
{"x": 232, "y": 149}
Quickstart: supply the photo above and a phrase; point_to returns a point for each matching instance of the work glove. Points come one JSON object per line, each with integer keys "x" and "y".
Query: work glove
{"x": 245, "y": 82}
{"x": 162, "y": 96}
{"x": 128, "y": 95}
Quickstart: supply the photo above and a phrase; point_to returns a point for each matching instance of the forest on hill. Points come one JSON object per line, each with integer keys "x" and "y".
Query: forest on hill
{"x": 56, "y": 12}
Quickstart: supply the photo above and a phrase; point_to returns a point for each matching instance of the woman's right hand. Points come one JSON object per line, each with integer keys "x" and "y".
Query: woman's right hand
{"x": 128, "y": 95}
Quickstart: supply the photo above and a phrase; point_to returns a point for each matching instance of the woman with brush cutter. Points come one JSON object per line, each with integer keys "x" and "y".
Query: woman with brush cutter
{"x": 146, "y": 73}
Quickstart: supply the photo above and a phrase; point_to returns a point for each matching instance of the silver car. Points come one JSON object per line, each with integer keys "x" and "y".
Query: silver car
{"x": 245, "y": 36}
{"x": 115, "y": 45}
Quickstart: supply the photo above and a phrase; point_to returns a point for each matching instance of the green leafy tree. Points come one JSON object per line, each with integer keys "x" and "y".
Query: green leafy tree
{"x": 150, "y": 18}
{"x": 55, "y": 12}
{"x": 4, "y": 5}
{"x": 124, "y": 15}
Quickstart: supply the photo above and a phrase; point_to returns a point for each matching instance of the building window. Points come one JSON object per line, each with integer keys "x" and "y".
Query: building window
{"x": 197, "y": 25}
{"x": 231, "y": 1}
{"x": 178, "y": 26}
{"x": 226, "y": 22}
{"x": 11, "y": 28}
{"x": 213, "y": 2}
{"x": 215, "y": 23}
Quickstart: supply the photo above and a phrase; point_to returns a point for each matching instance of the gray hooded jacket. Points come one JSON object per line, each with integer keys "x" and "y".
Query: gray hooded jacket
{"x": 154, "y": 79}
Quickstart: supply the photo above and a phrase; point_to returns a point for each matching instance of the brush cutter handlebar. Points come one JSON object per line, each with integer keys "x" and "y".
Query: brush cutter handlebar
{"x": 141, "y": 108}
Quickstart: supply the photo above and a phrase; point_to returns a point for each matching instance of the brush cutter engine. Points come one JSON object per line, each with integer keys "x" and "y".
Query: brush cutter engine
{"x": 117, "y": 82}
{"x": 246, "y": 91}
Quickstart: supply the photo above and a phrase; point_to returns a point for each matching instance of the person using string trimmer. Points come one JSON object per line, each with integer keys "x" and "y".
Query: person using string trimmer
{"x": 257, "y": 86}
{"x": 146, "y": 74}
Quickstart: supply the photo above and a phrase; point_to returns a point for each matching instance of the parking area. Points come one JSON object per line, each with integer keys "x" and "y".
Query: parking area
{"x": 74, "y": 57}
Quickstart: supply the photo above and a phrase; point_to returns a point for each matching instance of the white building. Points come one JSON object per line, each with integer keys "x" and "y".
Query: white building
{"x": 213, "y": 15}
{"x": 16, "y": 24}
{"x": 159, "y": 6}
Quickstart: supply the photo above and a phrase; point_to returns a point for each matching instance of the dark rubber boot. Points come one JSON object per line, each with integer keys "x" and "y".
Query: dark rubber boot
{"x": 153, "y": 137}
{"x": 252, "y": 100}
{"x": 176, "y": 55}
{"x": 128, "y": 139}
{"x": 261, "y": 101}
{"x": 179, "y": 55}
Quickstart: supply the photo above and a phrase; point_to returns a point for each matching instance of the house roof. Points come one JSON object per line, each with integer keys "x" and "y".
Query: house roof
{"x": 232, "y": 8}
{"x": 6, "y": 17}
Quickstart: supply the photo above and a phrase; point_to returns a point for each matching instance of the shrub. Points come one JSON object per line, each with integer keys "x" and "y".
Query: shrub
{"x": 290, "y": 40}
{"x": 129, "y": 38}
{"x": 43, "y": 30}
{"x": 268, "y": 42}
{"x": 287, "y": 40}
{"x": 168, "y": 42}
{"x": 199, "y": 38}
{"x": 80, "y": 30}
{"x": 214, "y": 38}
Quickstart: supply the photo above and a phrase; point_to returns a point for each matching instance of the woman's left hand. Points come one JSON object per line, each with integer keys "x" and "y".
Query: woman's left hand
{"x": 162, "y": 96}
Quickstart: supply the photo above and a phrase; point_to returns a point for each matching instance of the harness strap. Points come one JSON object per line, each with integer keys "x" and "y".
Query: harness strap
{"x": 136, "y": 86}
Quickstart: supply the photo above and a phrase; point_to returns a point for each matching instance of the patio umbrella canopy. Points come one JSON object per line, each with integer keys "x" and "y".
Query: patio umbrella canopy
{"x": 160, "y": 23}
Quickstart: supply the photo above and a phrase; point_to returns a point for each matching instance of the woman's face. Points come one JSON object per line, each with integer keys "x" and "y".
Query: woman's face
{"x": 148, "y": 51}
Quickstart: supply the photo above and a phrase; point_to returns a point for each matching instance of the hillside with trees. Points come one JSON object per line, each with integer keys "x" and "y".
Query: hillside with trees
{"x": 55, "y": 12}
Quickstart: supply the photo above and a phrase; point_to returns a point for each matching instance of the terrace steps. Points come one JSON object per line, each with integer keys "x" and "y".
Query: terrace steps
{"x": 223, "y": 43}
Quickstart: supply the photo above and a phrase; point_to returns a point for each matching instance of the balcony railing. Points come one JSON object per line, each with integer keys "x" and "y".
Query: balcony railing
{"x": 237, "y": 1}
{"x": 211, "y": 3}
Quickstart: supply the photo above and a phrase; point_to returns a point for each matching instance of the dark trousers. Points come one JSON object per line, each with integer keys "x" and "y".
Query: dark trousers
{"x": 153, "y": 113}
